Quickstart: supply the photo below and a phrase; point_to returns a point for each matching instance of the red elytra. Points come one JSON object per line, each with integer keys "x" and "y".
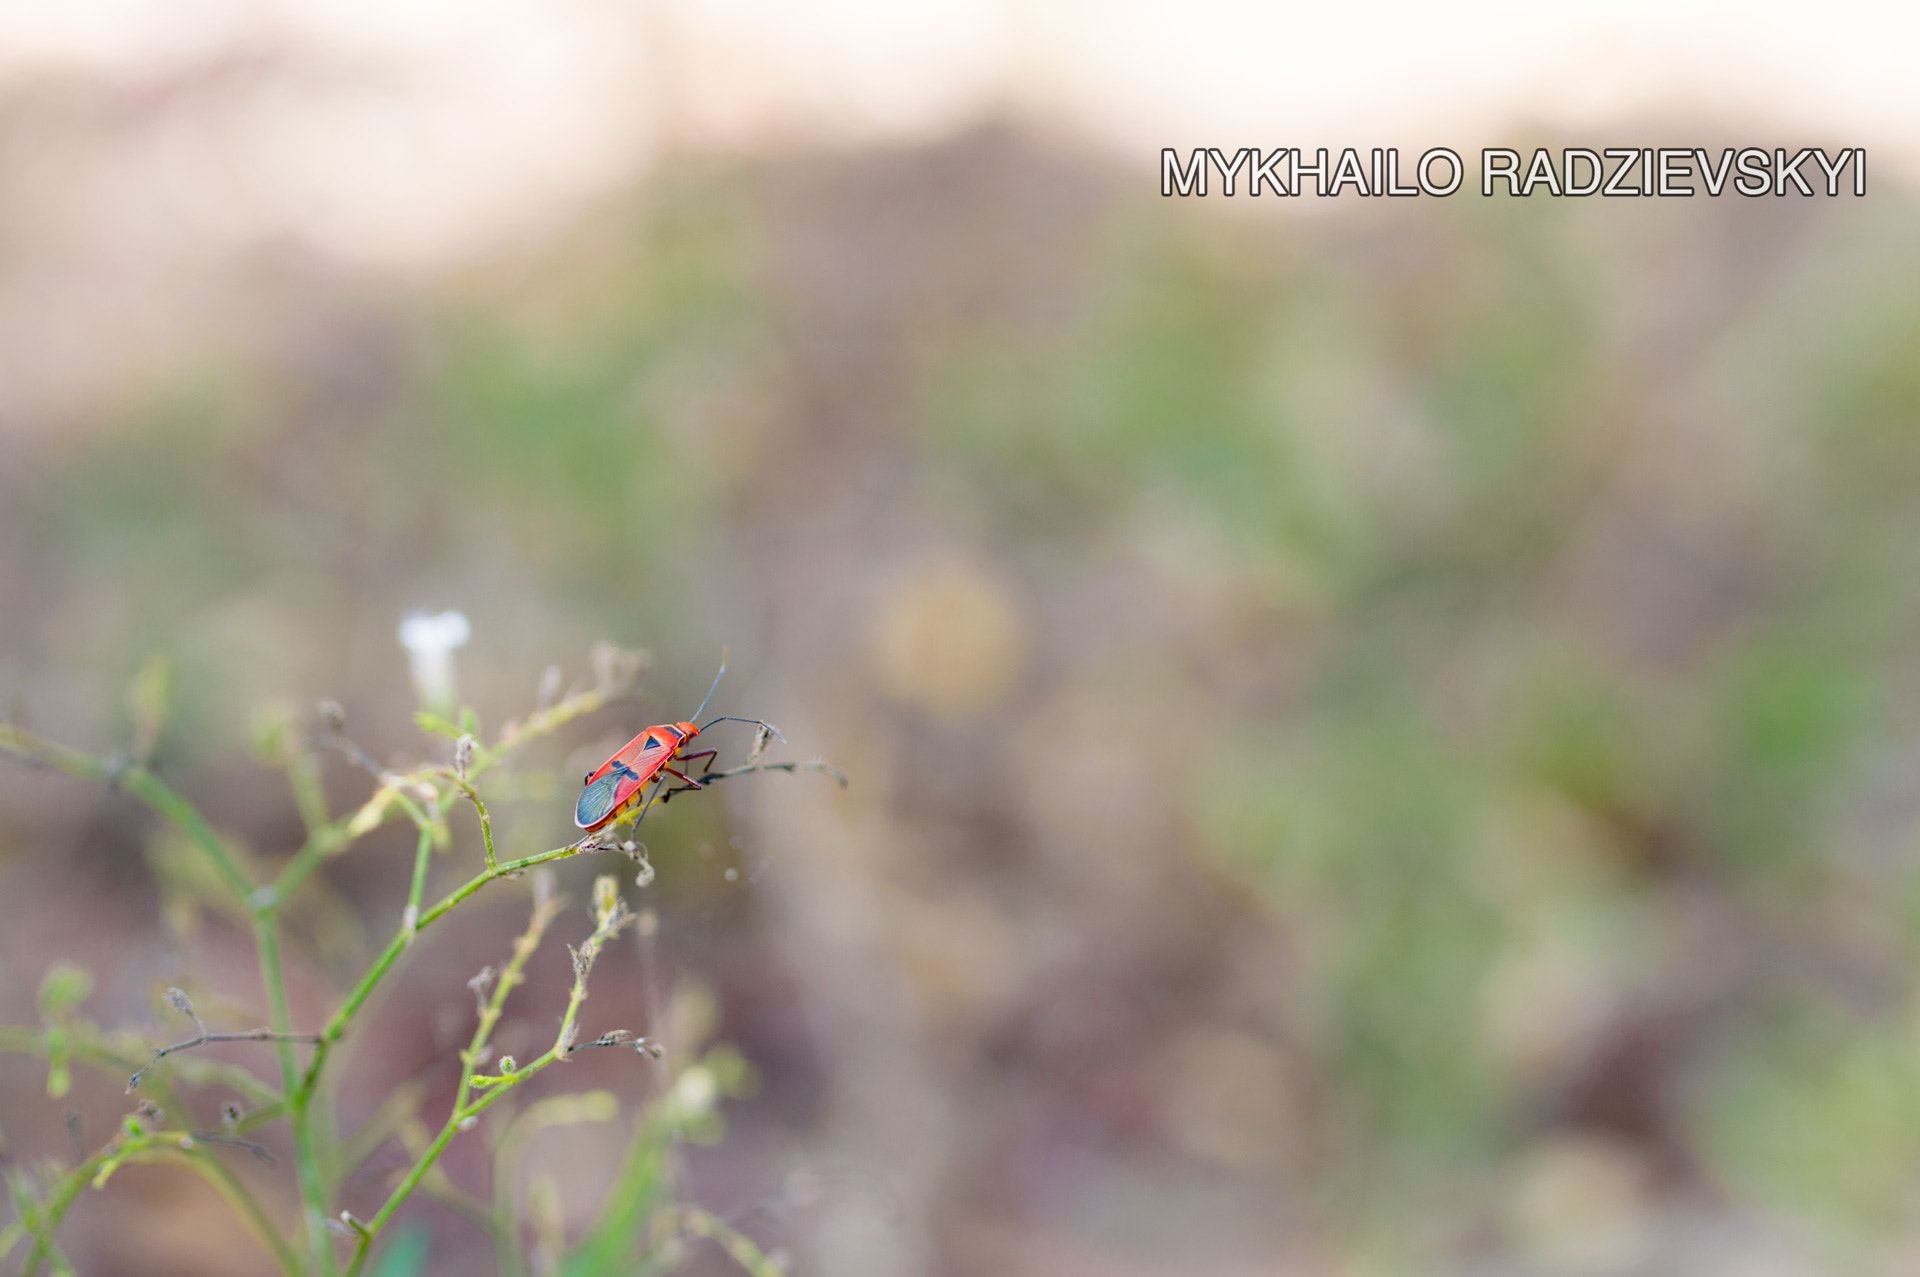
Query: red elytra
{"x": 615, "y": 787}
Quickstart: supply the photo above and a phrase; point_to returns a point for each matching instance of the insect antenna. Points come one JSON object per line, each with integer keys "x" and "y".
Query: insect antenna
{"x": 716, "y": 686}
{"x": 728, "y": 718}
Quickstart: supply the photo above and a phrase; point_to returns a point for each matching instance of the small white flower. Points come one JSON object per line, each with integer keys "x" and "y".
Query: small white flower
{"x": 430, "y": 642}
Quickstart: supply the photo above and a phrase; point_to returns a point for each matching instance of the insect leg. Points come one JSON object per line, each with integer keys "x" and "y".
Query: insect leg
{"x": 691, "y": 782}
{"x": 645, "y": 806}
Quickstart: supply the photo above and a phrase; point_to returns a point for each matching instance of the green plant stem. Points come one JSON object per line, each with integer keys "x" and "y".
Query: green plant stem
{"x": 542, "y": 723}
{"x": 210, "y": 1168}
{"x": 182, "y": 813}
{"x": 486, "y": 825}
{"x": 330, "y": 839}
{"x": 33, "y": 1222}
{"x": 321, "y": 844}
{"x": 336, "y": 1027}
{"x": 465, "y": 1109}
{"x": 630, "y": 1200}
{"x": 44, "y": 1247}
{"x": 309, "y": 794}
{"x": 511, "y": 976}
{"x": 740, "y": 1248}
{"x": 409, "y": 920}
{"x": 10, "y": 1236}
{"x": 143, "y": 784}
{"x": 466, "y": 1105}
{"x": 85, "y": 1046}
{"x": 415, "y": 1174}
{"x": 43, "y": 1221}
{"x": 414, "y": 811}
{"x": 326, "y": 837}
{"x": 299, "y": 1097}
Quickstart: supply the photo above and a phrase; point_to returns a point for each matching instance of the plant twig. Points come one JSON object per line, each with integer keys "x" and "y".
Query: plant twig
{"x": 85, "y": 1046}
{"x": 739, "y": 1247}
{"x": 611, "y": 916}
{"x": 228, "y": 1185}
{"x": 299, "y": 1098}
{"x": 180, "y": 1002}
{"x": 136, "y": 780}
{"x": 410, "y": 916}
{"x": 816, "y": 765}
{"x": 547, "y": 721}
{"x": 204, "y": 1038}
{"x": 337, "y": 1026}
{"x": 34, "y": 1222}
{"x": 486, "y": 825}
{"x": 421, "y": 795}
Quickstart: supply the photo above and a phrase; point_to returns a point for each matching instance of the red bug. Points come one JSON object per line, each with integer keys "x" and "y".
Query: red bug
{"x": 615, "y": 786}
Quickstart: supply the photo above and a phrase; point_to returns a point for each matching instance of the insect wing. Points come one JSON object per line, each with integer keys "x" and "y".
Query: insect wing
{"x": 599, "y": 800}
{"x": 643, "y": 753}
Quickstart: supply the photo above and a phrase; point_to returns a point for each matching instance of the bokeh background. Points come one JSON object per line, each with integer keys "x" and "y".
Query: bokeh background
{"x": 1383, "y": 740}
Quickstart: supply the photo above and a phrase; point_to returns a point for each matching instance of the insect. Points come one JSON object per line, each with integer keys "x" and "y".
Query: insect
{"x": 614, "y": 788}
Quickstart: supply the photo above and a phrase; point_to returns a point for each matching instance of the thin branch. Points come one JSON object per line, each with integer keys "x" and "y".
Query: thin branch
{"x": 546, "y": 907}
{"x": 611, "y": 916}
{"x": 547, "y": 721}
{"x": 816, "y": 765}
{"x": 204, "y": 1038}
{"x": 228, "y": 1185}
{"x": 486, "y": 825}
{"x": 313, "y": 1189}
{"x": 178, "y": 1000}
{"x": 309, "y": 793}
{"x": 620, "y": 1037}
{"x": 739, "y": 1247}
{"x": 143, "y": 784}
{"x": 337, "y": 1026}
{"x": 410, "y": 916}
{"x": 34, "y": 1219}
{"x": 360, "y": 757}
{"x": 259, "y": 1151}
{"x": 85, "y": 1046}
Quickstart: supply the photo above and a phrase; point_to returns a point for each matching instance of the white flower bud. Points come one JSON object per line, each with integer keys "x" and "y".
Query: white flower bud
{"x": 430, "y": 642}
